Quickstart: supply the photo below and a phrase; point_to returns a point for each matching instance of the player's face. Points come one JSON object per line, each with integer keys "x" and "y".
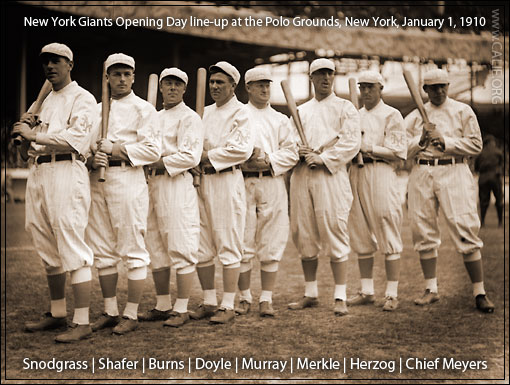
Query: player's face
{"x": 121, "y": 79}
{"x": 259, "y": 92}
{"x": 172, "y": 89}
{"x": 221, "y": 88}
{"x": 370, "y": 94}
{"x": 57, "y": 70}
{"x": 437, "y": 93}
{"x": 322, "y": 80}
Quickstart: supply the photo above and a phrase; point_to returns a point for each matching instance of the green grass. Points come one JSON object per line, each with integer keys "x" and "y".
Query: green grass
{"x": 451, "y": 328}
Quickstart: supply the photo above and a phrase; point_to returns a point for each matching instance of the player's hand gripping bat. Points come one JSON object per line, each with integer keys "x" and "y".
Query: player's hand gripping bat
{"x": 36, "y": 107}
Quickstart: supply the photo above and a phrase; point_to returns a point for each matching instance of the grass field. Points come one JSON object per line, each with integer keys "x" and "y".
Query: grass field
{"x": 449, "y": 329}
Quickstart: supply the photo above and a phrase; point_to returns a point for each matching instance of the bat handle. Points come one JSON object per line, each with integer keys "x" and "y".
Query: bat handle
{"x": 196, "y": 180}
{"x": 101, "y": 174}
{"x": 361, "y": 164}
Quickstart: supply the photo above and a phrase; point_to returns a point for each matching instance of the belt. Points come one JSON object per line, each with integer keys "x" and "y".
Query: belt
{"x": 256, "y": 174}
{"x": 368, "y": 160}
{"x": 212, "y": 170}
{"x": 440, "y": 162}
{"x": 56, "y": 157}
{"x": 118, "y": 163}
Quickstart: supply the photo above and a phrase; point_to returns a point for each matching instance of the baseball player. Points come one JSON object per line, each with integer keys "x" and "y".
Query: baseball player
{"x": 489, "y": 165}
{"x": 376, "y": 216}
{"x": 119, "y": 208}
{"x": 321, "y": 197}
{"x": 228, "y": 142}
{"x": 58, "y": 191}
{"x": 173, "y": 225}
{"x": 267, "y": 221}
{"x": 441, "y": 178}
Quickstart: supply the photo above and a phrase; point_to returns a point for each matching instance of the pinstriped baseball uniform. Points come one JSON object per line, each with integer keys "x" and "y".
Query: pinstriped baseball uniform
{"x": 452, "y": 186}
{"x": 376, "y": 214}
{"x": 267, "y": 221}
{"x": 119, "y": 208}
{"x": 320, "y": 199}
{"x": 58, "y": 193}
{"x": 173, "y": 225}
{"x": 229, "y": 142}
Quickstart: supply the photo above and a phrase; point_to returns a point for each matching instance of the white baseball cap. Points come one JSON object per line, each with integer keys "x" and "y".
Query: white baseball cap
{"x": 228, "y": 68}
{"x": 372, "y": 77}
{"x": 58, "y": 49}
{"x": 174, "y": 72}
{"x": 436, "y": 76}
{"x": 318, "y": 64}
{"x": 256, "y": 74}
{"x": 120, "y": 58}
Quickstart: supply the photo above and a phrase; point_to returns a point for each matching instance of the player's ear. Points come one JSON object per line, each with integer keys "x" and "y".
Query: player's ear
{"x": 71, "y": 64}
{"x": 133, "y": 77}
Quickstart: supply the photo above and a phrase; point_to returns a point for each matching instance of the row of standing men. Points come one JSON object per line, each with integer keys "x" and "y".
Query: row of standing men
{"x": 240, "y": 209}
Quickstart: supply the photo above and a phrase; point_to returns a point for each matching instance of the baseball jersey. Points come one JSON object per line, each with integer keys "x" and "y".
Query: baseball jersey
{"x": 272, "y": 133}
{"x": 457, "y": 123}
{"x": 67, "y": 117}
{"x": 329, "y": 118}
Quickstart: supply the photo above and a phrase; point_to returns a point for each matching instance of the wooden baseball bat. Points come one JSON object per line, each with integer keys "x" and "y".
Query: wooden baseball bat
{"x": 152, "y": 89}
{"x": 353, "y": 93}
{"x": 415, "y": 94}
{"x": 36, "y": 107}
{"x": 105, "y": 114}
{"x": 199, "y": 107}
{"x": 291, "y": 104}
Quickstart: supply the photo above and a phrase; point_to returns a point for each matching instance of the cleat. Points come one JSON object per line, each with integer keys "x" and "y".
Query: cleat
{"x": 223, "y": 316}
{"x": 105, "y": 321}
{"x": 340, "y": 307}
{"x": 203, "y": 311}
{"x": 390, "y": 304}
{"x": 243, "y": 308}
{"x": 154, "y": 315}
{"x": 47, "y": 323}
{"x": 428, "y": 298}
{"x": 75, "y": 333}
{"x": 266, "y": 309}
{"x": 303, "y": 303}
{"x": 484, "y": 304}
{"x": 361, "y": 299}
{"x": 125, "y": 326}
{"x": 176, "y": 320}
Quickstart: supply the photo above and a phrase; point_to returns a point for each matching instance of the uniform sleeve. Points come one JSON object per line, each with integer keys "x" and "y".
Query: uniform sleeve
{"x": 239, "y": 144}
{"x": 395, "y": 137}
{"x": 147, "y": 148}
{"x": 286, "y": 157}
{"x": 471, "y": 141}
{"x": 81, "y": 123}
{"x": 414, "y": 126}
{"x": 190, "y": 139}
{"x": 349, "y": 140}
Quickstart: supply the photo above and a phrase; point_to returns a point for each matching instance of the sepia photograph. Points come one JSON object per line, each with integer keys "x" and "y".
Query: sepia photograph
{"x": 254, "y": 192}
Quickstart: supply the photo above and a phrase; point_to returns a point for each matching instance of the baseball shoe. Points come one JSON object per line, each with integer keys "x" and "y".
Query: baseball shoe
{"x": 176, "y": 319}
{"x": 340, "y": 307}
{"x": 223, "y": 316}
{"x": 303, "y": 303}
{"x": 243, "y": 308}
{"x": 427, "y": 298}
{"x": 47, "y": 323}
{"x": 361, "y": 299}
{"x": 484, "y": 304}
{"x": 105, "y": 321}
{"x": 154, "y": 315}
{"x": 266, "y": 309}
{"x": 125, "y": 326}
{"x": 75, "y": 333}
{"x": 390, "y": 304}
{"x": 203, "y": 311}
